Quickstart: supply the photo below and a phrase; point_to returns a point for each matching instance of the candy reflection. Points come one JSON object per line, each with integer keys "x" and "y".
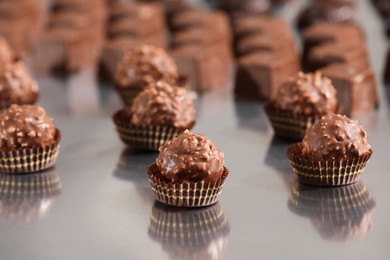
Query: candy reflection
{"x": 190, "y": 233}
{"x": 339, "y": 214}
{"x": 24, "y": 198}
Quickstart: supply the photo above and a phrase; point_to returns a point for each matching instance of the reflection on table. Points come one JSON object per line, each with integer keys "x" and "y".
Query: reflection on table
{"x": 190, "y": 233}
{"x": 28, "y": 197}
{"x": 339, "y": 214}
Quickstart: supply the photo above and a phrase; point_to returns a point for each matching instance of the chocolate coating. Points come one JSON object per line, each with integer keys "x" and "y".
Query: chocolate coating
{"x": 6, "y": 54}
{"x": 335, "y": 137}
{"x": 145, "y": 65}
{"x": 17, "y": 86}
{"x": 307, "y": 94}
{"x": 190, "y": 158}
{"x": 163, "y": 105}
{"x": 25, "y": 126}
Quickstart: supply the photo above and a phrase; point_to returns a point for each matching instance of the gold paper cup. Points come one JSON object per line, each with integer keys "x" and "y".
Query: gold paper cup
{"x": 144, "y": 137}
{"x": 30, "y": 160}
{"x": 289, "y": 125}
{"x": 193, "y": 194}
{"x": 326, "y": 172}
{"x": 128, "y": 94}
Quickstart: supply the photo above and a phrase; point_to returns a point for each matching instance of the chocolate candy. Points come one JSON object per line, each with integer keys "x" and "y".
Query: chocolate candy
{"x": 201, "y": 46}
{"x": 25, "y": 126}
{"x": 6, "y": 54}
{"x": 335, "y": 137}
{"x": 72, "y": 38}
{"x": 260, "y": 74}
{"x": 17, "y": 86}
{"x": 307, "y": 94}
{"x": 163, "y": 105}
{"x": 260, "y": 25}
{"x": 145, "y": 65}
{"x": 356, "y": 87}
{"x": 190, "y": 158}
{"x": 325, "y": 32}
{"x": 244, "y": 6}
{"x": 282, "y": 44}
{"x": 334, "y": 11}
{"x": 332, "y": 53}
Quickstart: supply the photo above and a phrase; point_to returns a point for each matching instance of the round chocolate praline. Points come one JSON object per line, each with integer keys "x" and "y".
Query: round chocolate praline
{"x": 335, "y": 137}
{"x": 25, "y": 126}
{"x": 308, "y": 94}
{"x": 190, "y": 158}
{"x": 145, "y": 65}
{"x": 163, "y": 105}
{"x": 17, "y": 86}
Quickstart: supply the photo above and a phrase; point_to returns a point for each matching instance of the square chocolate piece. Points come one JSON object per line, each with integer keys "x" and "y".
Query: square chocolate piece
{"x": 331, "y": 53}
{"x": 356, "y": 87}
{"x": 260, "y": 74}
{"x": 284, "y": 44}
{"x": 260, "y": 25}
{"x": 202, "y": 65}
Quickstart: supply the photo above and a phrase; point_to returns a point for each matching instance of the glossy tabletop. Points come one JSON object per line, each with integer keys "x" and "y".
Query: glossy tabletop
{"x": 97, "y": 202}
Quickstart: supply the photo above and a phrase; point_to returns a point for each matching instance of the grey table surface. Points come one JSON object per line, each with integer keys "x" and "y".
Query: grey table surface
{"x": 106, "y": 209}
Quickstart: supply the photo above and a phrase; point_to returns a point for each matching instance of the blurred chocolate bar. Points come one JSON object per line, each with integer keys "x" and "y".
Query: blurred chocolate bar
{"x": 72, "y": 38}
{"x": 131, "y": 24}
{"x": 356, "y": 87}
{"x": 260, "y": 74}
{"x": 20, "y": 21}
{"x": 201, "y": 46}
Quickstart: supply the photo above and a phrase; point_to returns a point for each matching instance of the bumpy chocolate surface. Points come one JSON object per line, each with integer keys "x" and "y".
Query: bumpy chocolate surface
{"x": 25, "y": 127}
{"x": 145, "y": 65}
{"x": 307, "y": 94}
{"x": 6, "y": 54}
{"x": 190, "y": 158}
{"x": 17, "y": 86}
{"x": 163, "y": 105}
{"x": 335, "y": 137}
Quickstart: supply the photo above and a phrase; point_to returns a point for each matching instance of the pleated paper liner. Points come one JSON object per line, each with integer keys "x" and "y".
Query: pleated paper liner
{"x": 326, "y": 173}
{"x": 128, "y": 94}
{"x": 194, "y": 194}
{"x": 289, "y": 125}
{"x": 188, "y": 228}
{"x": 338, "y": 213}
{"x": 30, "y": 160}
{"x": 27, "y": 197}
{"x": 144, "y": 137}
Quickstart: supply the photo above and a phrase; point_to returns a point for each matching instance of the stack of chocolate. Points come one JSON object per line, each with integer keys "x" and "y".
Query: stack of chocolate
{"x": 20, "y": 21}
{"x": 340, "y": 52}
{"x": 129, "y": 25}
{"x": 332, "y": 11}
{"x": 73, "y": 36}
{"x": 201, "y": 47}
{"x": 266, "y": 56}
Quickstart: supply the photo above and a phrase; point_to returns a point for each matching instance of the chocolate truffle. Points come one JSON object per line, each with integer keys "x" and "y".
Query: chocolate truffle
{"x": 190, "y": 158}
{"x": 335, "y": 137}
{"x": 163, "y": 105}
{"x": 6, "y": 54}
{"x": 25, "y": 126}
{"x": 17, "y": 86}
{"x": 142, "y": 66}
{"x": 307, "y": 94}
